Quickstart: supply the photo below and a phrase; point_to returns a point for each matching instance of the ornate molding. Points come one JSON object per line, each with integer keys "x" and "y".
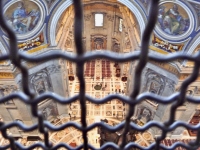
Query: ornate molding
{"x": 54, "y": 69}
{"x": 168, "y": 67}
{"x": 6, "y": 75}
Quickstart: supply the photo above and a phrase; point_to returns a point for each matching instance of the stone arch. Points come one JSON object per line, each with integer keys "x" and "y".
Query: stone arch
{"x": 57, "y": 137}
{"x": 194, "y": 44}
{"x": 191, "y": 47}
{"x": 55, "y": 17}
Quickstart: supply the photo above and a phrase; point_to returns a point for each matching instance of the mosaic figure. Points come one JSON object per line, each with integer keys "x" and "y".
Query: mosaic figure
{"x": 22, "y": 17}
{"x": 171, "y": 21}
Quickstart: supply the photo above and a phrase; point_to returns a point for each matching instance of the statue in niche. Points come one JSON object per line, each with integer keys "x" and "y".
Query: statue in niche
{"x": 99, "y": 44}
{"x": 40, "y": 86}
{"x": 49, "y": 111}
{"x": 40, "y": 82}
{"x": 144, "y": 114}
{"x": 155, "y": 83}
{"x": 154, "y": 87}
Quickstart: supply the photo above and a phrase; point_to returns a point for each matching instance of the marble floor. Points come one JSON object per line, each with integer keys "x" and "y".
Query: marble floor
{"x": 99, "y": 87}
{"x": 101, "y": 80}
{"x": 72, "y": 135}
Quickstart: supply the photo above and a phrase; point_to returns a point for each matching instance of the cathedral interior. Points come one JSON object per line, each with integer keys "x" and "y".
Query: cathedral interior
{"x": 111, "y": 27}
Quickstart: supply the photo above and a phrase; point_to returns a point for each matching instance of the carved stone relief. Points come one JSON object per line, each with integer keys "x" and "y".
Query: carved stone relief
{"x": 115, "y": 45}
{"x": 7, "y": 89}
{"x": 98, "y": 44}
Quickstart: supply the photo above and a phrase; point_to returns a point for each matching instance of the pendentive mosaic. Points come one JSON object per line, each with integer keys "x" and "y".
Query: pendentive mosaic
{"x": 23, "y": 16}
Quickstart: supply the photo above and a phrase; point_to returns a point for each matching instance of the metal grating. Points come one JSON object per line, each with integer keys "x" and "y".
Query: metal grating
{"x": 31, "y": 99}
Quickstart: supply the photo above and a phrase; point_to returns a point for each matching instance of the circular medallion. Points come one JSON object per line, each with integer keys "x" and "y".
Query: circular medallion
{"x": 25, "y": 17}
{"x": 175, "y": 20}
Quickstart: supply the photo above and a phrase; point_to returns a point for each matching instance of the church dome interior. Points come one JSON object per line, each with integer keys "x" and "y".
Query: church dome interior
{"x": 90, "y": 72}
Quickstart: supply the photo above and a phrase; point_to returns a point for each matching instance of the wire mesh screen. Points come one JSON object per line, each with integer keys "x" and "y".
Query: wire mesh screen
{"x": 30, "y": 98}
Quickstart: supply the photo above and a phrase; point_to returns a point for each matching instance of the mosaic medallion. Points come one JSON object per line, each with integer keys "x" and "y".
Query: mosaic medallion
{"x": 23, "y": 16}
{"x": 173, "y": 19}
